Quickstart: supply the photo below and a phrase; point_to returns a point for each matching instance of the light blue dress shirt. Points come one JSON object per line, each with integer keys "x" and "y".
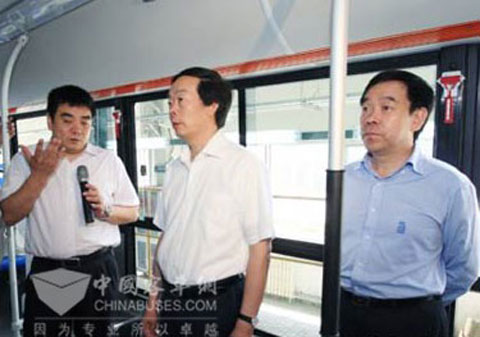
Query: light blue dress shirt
{"x": 413, "y": 233}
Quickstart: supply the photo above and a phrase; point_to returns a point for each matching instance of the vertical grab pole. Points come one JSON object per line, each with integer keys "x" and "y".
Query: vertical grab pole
{"x": 16, "y": 322}
{"x": 333, "y": 221}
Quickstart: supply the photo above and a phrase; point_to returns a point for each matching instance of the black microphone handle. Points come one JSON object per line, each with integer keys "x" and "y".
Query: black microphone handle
{"x": 87, "y": 209}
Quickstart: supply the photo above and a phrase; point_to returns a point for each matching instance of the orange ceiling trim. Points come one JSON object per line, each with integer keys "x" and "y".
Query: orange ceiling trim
{"x": 399, "y": 41}
{"x": 132, "y": 88}
{"x": 417, "y": 38}
{"x": 366, "y": 47}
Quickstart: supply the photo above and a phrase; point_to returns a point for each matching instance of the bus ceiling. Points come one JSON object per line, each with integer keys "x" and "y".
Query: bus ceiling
{"x": 20, "y": 16}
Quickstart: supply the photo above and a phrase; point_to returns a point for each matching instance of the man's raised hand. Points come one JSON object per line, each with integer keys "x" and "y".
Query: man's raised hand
{"x": 43, "y": 162}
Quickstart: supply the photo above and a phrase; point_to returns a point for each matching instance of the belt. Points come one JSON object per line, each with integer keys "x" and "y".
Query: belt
{"x": 75, "y": 261}
{"x": 212, "y": 288}
{"x": 362, "y": 301}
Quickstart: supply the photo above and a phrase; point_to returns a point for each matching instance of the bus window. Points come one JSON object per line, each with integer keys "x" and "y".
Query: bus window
{"x": 103, "y": 129}
{"x": 287, "y": 126}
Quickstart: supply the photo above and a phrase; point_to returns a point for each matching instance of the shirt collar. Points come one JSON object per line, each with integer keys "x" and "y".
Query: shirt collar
{"x": 214, "y": 148}
{"x": 415, "y": 161}
{"x": 91, "y": 150}
{"x": 216, "y": 145}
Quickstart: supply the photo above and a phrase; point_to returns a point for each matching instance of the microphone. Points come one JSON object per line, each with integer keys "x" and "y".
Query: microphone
{"x": 82, "y": 176}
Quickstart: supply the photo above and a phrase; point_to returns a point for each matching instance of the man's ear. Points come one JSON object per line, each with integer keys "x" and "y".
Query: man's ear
{"x": 49, "y": 122}
{"x": 420, "y": 116}
{"x": 212, "y": 109}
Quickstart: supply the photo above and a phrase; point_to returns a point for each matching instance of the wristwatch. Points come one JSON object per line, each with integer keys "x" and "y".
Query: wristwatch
{"x": 107, "y": 211}
{"x": 251, "y": 320}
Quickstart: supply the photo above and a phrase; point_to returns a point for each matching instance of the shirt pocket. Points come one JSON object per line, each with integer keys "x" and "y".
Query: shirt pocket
{"x": 411, "y": 238}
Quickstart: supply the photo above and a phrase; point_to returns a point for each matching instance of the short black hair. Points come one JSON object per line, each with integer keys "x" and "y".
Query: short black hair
{"x": 419, "y": 93}
{"x": 212, "y": 88}
{"x": 71, "y": 95}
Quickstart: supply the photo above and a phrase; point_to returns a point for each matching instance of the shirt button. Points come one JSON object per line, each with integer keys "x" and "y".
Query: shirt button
{"x": 368, "y": 237}
{"x": 373, "y": 209}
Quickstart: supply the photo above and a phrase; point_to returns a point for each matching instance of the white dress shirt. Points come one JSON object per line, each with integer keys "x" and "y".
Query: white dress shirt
{"x": 56, "y": 226}
{"x": 210, "y": 211}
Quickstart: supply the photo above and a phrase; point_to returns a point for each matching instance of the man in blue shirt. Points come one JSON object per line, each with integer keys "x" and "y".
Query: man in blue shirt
{"x": 410, "y": 237}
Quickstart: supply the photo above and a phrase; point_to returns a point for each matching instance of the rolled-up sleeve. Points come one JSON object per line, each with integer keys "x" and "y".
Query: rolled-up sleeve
{"x": 124, "y": 194}
{"x": 257, "y": 202}
{"x": 17, "y": 173}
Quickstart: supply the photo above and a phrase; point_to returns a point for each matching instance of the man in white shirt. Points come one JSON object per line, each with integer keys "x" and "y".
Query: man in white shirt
{"x": 215, "y": 215}
{"x": 3, "y": 243}
{"x": 43, "y": 188}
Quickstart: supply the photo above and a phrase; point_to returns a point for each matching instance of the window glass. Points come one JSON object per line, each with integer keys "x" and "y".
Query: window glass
{"x": 287, "y": 126}
{"x": 291, "y": 305}
{"x": 156, "y": 145}
{"x": 146, "y": 241}
{"x": 30, "y": 130}
{"x": 467, "y": 315}
{"x": 103, "y": 128}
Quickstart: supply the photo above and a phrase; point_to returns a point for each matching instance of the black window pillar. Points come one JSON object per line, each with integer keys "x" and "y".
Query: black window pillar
{"x": 126, "y": 146}
{"x": 459, "y": 143}
{"x": 455, "y": 143}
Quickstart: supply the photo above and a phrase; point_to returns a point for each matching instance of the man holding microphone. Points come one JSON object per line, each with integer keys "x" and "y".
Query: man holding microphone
{"x": 41, "y": 185}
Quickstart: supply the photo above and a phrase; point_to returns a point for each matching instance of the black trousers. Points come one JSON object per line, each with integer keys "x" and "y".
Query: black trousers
{"x": 87, "y": 312}
{"x": 206, "y": 314}
{"x": 364, "y": 319}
